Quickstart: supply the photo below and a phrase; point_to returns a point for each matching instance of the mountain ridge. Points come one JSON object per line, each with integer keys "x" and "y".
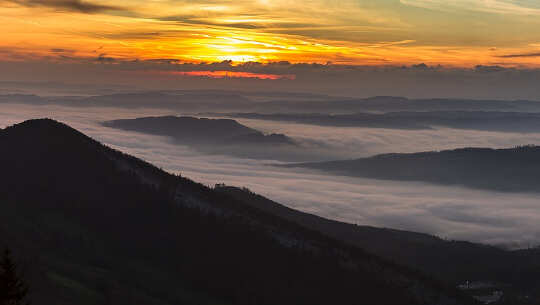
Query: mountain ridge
{"x": 199, "y": 130}
{"x": 509, "y": 170}
{"x": 225, "y": 101}
{"x": 100, "y": 223}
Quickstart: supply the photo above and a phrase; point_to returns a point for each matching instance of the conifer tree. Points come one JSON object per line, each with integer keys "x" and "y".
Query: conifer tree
{"x": 13, "y": 290}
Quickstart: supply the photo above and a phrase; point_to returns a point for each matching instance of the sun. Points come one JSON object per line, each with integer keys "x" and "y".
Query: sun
{"x": 239, "y": 58}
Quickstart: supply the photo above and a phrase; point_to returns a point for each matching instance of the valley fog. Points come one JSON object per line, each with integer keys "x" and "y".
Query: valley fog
{"x": 509, "y": 219}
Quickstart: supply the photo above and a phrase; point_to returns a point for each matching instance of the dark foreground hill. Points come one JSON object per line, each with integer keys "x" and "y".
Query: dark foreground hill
{"x": 513, "y": 170}
{"x": 454, "y": 262}
{"x": 95, "y": 226}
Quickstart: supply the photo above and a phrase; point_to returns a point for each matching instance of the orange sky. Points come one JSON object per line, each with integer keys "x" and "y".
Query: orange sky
{"x": 358, "y": 32}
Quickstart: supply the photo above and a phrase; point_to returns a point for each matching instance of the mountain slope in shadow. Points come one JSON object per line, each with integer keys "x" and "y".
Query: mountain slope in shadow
{"x": 454, "y": 262}
{"x": 509, "y": 170}
{"x": 96, "y": 226}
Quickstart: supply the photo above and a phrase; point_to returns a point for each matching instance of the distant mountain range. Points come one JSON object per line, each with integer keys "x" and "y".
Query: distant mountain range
{"x": 95, "y": 226}
{"x": 476, "y": 120}
{"x": 265, "y": 102}
{"x": 393, "y": 104}
{"x": 189, "y": 100}
{"x": 513, "y": 170}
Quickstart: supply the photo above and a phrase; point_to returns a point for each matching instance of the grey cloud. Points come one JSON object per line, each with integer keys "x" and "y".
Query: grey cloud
{"x": 489, "y": 69}
{"x": 57, "y": 50}
{"x": 425, "y": 81}
{"x": 189, "y": 19}
{"x": 536, "y": 54}
{"x": 105, "y": 59}
{"x": 68, "y": 5}
{"x": 129, "y": 35}
{"x": 193, "y": 19}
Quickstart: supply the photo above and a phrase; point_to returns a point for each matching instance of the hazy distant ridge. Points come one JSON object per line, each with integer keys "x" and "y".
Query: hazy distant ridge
{"x": 514, "y": 169}
{"x": 199, "y": 130}
{"x": 264, "y": 102}
{"x": 475, "y": 120}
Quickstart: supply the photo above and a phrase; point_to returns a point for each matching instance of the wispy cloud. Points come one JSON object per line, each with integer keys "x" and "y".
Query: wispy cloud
{"x": 67, "y": 5}
{"x": 534, "y": 54}
{"x": 488, "y": 6}
{"x": 348, "y": 32}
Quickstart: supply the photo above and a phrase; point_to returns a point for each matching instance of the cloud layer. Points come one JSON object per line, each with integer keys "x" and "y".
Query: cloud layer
{"x": 450, "y": 212}
{"x": 415, "y": 81}
{"x": 67, "y": 5}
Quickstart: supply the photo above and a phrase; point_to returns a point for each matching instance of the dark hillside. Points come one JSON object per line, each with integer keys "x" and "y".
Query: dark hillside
{"x": 454, "y": 262}
{"x": 96, "y": 226}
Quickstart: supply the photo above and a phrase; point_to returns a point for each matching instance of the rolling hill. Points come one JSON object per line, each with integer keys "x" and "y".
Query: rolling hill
{"x": 187, "y": 129}
{"x": 509, "y": 170}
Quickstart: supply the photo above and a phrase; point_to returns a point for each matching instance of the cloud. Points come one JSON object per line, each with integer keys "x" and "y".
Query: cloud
{"x": 103, "y": 58}
{"x": 67, "y": 5}
{"x": 414, "y": 81}
{"x": 59, "y": 50}
{"x": 450, "y": 212}
{"x": 197, "y": 20}
{"x": 132, "y": 35}
{"x": 535, "y": 54}
{"x": 487, "y": 6}
{"x": 348, "y": 32}
{"x": 229, "y": 74}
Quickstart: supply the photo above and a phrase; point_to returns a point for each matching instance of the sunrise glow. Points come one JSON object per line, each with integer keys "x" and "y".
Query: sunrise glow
{"x": 229, "y": 74}
{"x": 390, "y": 32}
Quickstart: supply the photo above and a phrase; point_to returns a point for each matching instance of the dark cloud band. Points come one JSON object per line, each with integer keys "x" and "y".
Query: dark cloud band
{"x": 67, "y": 5}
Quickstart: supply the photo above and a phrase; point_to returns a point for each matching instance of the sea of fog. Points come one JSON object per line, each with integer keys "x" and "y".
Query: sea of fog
{"x": 511, "y": 219}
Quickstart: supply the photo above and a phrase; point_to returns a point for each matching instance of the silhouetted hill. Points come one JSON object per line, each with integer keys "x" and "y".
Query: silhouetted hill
{"x": 514, "y": 169}
{"x": 454, "y": 262}
{"x": 185, "y": 128}
{"x": 199, "y": 130}
{"x": 216, "y": 136}
{"x": 477, "y": 120}
{"x": 96, "y": 226}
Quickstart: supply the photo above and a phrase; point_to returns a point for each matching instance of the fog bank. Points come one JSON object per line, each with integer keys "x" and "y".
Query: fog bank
{"x": 450, "y": 212}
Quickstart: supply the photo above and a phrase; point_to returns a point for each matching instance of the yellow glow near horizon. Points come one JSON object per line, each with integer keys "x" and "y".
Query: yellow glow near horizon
{"x": 384, "y": 32}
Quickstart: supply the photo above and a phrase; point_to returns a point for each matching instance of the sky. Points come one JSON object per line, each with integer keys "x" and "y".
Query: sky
{"x": 457, "y": 33}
